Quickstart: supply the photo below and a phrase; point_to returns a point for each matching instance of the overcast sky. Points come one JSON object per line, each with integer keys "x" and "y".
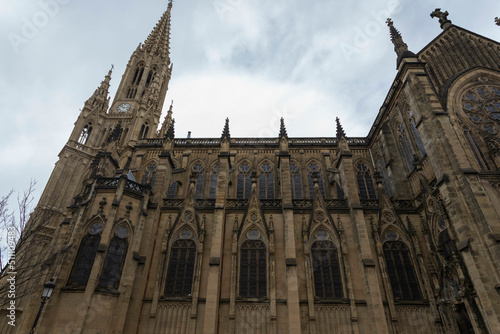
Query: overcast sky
{"x": 253, "y": 61}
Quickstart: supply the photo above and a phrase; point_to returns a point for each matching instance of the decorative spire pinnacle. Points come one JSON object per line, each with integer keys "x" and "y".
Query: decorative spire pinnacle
{"x": 283, "y": 132}
{"x": 158, "y": 41}
{"x": 497, "y": 21}
{"x": 340, "y": 130}
{"x": 399, "y": 45}
{"x": 166, "y": 122}
{"x": 100, "y": 97}
{"x": 171, "y": 131}
{"x": 443, "y": 18}
{"x": 225, "y": 132}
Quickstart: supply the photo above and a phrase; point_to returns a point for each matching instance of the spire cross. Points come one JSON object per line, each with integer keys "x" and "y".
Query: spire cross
{"x": 442, "y": 16}
{"x": 497, "y": 21}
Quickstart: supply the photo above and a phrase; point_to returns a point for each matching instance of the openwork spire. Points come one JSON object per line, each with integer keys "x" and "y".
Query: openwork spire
{"x": 443, "y": 18}
{"x": 225, "y": 132}
{"x": 171, "y": 131}
{"x": 167, "y": 121}
{"x": 158, "y": 41}
{"x": 340, "y": 129}
{"x": 100, "y": 97}
{"x": 283, "y": 132}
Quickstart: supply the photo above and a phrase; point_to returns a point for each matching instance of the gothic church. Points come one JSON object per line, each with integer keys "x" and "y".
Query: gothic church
{"x": 396, "y": 232}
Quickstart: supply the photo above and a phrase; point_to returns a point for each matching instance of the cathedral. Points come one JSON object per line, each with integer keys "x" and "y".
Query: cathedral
{"x": 139, "y": 231}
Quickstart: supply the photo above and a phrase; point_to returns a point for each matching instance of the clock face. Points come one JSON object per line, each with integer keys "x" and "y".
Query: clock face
{"x": 123, "y": 107}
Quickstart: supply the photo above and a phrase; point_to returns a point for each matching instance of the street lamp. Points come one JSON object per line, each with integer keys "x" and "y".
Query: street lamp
{"x": 46, "y": 293}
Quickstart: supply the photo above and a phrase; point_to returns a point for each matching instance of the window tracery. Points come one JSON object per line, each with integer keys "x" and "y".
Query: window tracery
{"x": 326, "y": 268}
{"x": 244, "y": 182}
{"x": 85, "y": 256}
{"x": 115, "y": 258}
{"x": 400, "y": 268}
{"x": 295, "y": 181}
{"x": 253, "y": 264}
{"x": 149, "y": 175}
{"x": 85, "y": 134}
{"x": 365, "y": 182}
{"x": 481, "y": 104}
{"x": 266, "y": 182}
{"x": 198, "y": 172}
{"x": 181, "y": 265}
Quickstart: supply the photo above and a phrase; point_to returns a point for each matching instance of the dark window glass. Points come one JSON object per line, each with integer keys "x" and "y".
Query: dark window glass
{"x": 84, "y": 260}
{"x": 405, "y": 145}
{"x": 253, "y": 269}
{"x": 112, "y": 268}
{"x": 365, "y": 182}
{"x": 149, "y": 175}
{"x": 266, "y": 182}
{"x": 172, "y": 191}
{"x": 199, "y": 186}
{"x": 213, "y": 186}
{"x": 401, "y": 272}
{"x": 244, "y": 182}
{"x": 326, "y": 270}
{"x": 181, "y": 269}
{"x": 295, "y": 182}
{"x": 418, "y": 140}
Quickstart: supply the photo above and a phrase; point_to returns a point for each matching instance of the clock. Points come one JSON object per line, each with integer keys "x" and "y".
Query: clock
{"x": 123, "y": 107}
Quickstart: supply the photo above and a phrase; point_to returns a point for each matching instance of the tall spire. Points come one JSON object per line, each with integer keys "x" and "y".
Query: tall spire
{"x": 158, "y": 41}
{"x": 225, "y": 132}
{"x": 400, "y": 47}
{"x": 340, "y": 129}
{"x": 100, "y": 97}
{"x": 283, "y": 132}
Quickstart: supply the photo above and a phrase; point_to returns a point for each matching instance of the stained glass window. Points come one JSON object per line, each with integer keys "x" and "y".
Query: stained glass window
{"x": 482, "y": 106}
{"x": 365, "y": 182}
{"x": 326, "y": 270}
{"x": 315, "y": 171}
{"x": 244, "y": 182}
{"x": 172, "y": 190}
{"x": 181, "y": 268}
{"x": 401, "y": 272}
{"x": 295, "y": 182}
{"x": 446, "y": 245}
{"x": 115, "y": 257}
{"x": 253, "y": 281}
{"x": 266, "y": 182}
{"x": 85, "y": 257}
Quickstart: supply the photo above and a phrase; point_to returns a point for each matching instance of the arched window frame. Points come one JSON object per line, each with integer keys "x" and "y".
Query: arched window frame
{"x": 296, "y": 180}
{"x": 212, "y": 192}
{"x": 244, "y": 180}
{"x": 198, "y": 171}
{"x": 245, "y": 271}
{"x": 136, "y": 80}
{"x": 266, "y": 181}
{"x": 173, "y": 190}
{"x": 85, "y": 134}
{"x": 150, "y": 173}
{"x": 151, "y": 75}
{"x": 180, "y": 268}
{"x": 401, "y": 268}
{"x": 315, "y": 167}
{"x": 144, "y": 130}
{"x": 116, "y": 255}
{"x": 366, "y": 186}
{"x": 327, "y": 272}
{"x": 84, "y": 259}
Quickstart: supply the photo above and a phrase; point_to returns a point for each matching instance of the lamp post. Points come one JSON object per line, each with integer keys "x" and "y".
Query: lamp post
{"x": 46, "y": 293}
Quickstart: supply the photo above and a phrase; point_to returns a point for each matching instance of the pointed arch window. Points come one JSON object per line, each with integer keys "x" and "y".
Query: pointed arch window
{"x": 253, "y": 277}
{"x": 85, "y": 134}
{"x": 144, "y": 131}
{"x": 476, "y": 149}
{"x": 213, "y": 182}
{"x": 132, "y": 90}
{"x": 115, "y": 258}
{"x": 400, "y": 269}
{"x": 406, "y": 147}
{"x": 198, "y": 171}
{"x": 244, "y": 182}
{"x": 416, "y": 134}
{"x": 172, "y": 190}
{"x": 326, "y": 268}
{"x": 295, "y": 182}
{"x": 149, "y": 175}
{"x": 365, "y": 182}
{"x": 315, "y": 172}
{"x": 150, "y": 77}
{"x": 181, "y": 266}
{"x": 340, "y": 191}
{"x": 266, "y": 182}
{"x": 85, "y": 257}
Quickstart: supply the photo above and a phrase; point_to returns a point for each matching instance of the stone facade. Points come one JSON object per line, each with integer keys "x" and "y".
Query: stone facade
{"x": 397, "y": 232}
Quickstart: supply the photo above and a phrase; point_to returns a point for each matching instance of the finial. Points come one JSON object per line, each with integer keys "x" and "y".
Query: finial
{"x": 340, "y": 130}
{"x": 443, "y": 18}
{"x": 225, "y": 132}
{"x": 283, "y": 132}
{"x": 497, "y": 21}
{"x": 171, "y": 131}
{"x": 400, "y": 46}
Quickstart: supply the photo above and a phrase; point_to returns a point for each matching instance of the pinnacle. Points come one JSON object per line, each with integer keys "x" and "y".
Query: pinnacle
{"x": 158, "y": 41}
{"x": 283, "y": 132}
{"x": 171, "y": 131}
{"x": 100, "y": 96}
{"x": 400, "y": 47}
{"x": 340, "y": 130}
{"x": 225, "y": 132}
